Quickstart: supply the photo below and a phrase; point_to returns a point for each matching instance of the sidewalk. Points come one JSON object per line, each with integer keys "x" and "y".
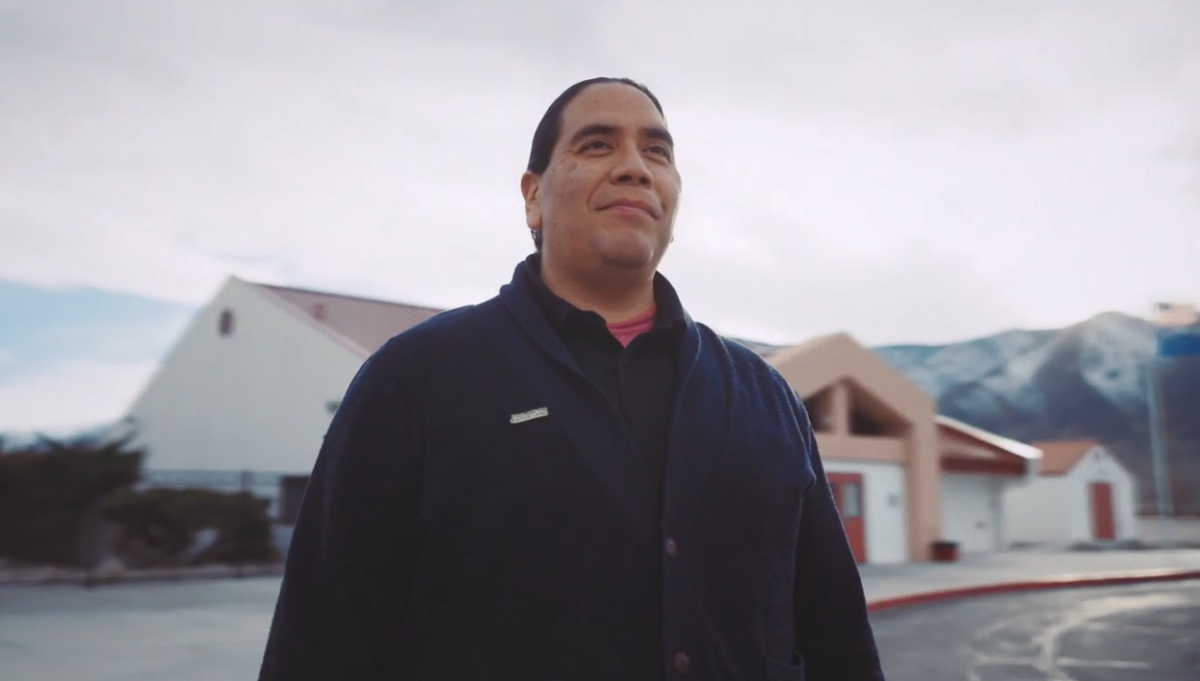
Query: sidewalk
{"x": 884, "y": 583}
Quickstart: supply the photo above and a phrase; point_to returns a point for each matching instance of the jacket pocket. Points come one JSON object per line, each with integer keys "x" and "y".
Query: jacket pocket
{"x": 782, "y": 671}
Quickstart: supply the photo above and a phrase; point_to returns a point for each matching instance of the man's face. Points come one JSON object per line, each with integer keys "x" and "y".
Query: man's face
{"x": 610, "y": 193}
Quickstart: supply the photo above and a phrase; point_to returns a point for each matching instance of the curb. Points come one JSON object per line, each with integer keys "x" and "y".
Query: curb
{"x": 76, "y": 577}
{"x": 1063, "y": 582}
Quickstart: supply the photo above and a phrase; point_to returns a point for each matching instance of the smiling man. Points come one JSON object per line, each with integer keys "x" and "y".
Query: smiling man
{"x": 573, "y": 480}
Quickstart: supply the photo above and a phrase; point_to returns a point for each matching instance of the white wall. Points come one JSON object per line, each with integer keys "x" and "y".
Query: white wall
{"x": 256, "y": 399}
{"x": 884, "y": 506}
{"x": 1033, "y": 512}
{"x": 1056, "y": 509}
{"x": 1100, "y": 466}
{"x": 971, "y": 511}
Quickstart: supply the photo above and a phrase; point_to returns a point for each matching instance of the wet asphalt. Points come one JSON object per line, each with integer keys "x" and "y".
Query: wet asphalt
{"x": 210, "y": 631}
{"x": 1136, "y": 633}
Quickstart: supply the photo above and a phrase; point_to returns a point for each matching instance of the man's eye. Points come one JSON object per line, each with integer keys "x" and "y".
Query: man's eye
{"x": 661, "y": 150}
{"x": 595, "y": 144}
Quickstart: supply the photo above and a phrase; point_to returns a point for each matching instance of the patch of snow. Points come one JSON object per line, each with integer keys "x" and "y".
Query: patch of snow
{"x": 1116, "y": 354}
{"x": 1003, "y": 365}
{"x": 1015, "y": 380}
{"x": 964, "y": 363}
{"x": 1012, "y": 343}
{"x": 997, "y": 372}
{"x": 977, "y": 400}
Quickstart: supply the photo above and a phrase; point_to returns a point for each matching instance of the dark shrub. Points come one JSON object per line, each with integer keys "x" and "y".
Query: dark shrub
{"x": 159, "y": 526}
{"x": 50, "y": 491}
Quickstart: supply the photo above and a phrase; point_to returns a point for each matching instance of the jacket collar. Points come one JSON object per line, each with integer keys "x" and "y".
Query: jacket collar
{"x": 560, "y": 313}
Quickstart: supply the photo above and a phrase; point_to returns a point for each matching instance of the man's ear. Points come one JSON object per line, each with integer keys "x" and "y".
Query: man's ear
{"x": 531, "y": 189}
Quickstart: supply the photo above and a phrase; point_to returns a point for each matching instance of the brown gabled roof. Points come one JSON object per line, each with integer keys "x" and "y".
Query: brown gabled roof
{"x": 365, "y": 322}
{"x": 1060, "y": 456}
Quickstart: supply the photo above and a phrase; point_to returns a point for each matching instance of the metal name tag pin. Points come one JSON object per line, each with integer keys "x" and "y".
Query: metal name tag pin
{"x": 529, "y": 415}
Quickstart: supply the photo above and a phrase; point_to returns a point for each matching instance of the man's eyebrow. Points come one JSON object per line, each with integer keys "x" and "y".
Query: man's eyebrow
{"x": 605, "y": 129}
{"x": 661, "y": 135}
{"x": 592, "y": 130}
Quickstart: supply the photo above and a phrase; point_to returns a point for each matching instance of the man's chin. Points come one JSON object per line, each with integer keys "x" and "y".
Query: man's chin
{"x": 630, "y": 254}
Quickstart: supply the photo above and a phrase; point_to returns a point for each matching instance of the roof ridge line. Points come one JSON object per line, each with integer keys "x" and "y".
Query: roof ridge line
{"x": 347, "y": 296}
{"x": 297, "y": 311}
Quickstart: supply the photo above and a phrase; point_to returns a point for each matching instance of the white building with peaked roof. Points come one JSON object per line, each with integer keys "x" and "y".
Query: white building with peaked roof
{"x": 253, "y": 382}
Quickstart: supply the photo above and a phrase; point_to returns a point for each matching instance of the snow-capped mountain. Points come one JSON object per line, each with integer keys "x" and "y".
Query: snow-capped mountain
{"x": 1109, "y": 353}
{"x": 1087, "y": 380}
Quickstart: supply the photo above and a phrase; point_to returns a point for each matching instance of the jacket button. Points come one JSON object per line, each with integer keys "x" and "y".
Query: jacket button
{"x": 671, "y": 548}
{"x": 682, "y": 662}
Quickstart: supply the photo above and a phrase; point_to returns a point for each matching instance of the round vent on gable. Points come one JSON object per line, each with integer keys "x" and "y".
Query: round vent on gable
{"x": 225, "y": 325}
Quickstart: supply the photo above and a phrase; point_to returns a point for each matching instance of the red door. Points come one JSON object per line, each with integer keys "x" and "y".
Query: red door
{"x": 848, "y": 492}
{"x": 1102, "y": 511}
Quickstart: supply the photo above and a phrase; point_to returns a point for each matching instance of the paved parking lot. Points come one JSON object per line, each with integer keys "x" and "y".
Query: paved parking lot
{"x": 214, "y": 631}
{"x": 1139, "y": 633}
{"x": 182, "y": 631}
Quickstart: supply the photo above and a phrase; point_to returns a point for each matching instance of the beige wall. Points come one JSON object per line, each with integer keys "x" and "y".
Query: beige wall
{"x": 859, "y": 448}
{"x": 841, "y": 363}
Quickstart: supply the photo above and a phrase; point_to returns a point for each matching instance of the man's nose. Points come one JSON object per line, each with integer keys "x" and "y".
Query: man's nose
{"x": 632, "y": 168}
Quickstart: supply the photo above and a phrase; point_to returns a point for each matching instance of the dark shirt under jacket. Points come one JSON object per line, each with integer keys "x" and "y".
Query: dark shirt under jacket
{"x": 639, "y": 380}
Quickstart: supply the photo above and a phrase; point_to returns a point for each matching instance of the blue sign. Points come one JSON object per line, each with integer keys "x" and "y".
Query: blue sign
{"x": 1179, "y": 342}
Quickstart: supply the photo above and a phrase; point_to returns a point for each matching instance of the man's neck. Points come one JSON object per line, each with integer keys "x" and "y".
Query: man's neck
{"x": 615, "y": 296}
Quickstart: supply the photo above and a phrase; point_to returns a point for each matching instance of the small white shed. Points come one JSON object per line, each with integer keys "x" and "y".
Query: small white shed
{"x": 1083, "y": 494}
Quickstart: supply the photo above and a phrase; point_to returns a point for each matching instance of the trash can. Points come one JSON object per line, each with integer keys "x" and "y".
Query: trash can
{"x": 945, "y": 551}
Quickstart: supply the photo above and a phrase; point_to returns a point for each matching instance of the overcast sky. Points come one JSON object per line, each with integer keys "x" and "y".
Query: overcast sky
{"x": 913, "y": 171}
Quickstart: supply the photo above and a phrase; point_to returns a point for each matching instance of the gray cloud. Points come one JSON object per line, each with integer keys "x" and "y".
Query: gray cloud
{"x": 915, "y": 172}
{"x": 934, "y": 68}
{"x": 805, "y": 286}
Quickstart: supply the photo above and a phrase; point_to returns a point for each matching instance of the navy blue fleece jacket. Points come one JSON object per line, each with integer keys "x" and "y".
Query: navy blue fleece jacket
{"x": 443, "y": 537}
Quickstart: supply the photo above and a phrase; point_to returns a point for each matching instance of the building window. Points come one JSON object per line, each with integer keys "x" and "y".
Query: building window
{"x": 225, "y": 325}
{"x": 851, "y": 499}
